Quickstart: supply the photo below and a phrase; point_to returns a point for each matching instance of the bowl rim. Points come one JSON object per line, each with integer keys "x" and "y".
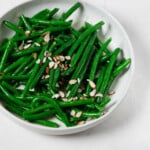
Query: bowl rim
{"x": 95, "y": 121}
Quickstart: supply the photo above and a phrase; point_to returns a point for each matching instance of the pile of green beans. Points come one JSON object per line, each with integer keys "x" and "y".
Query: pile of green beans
{"x": 48, "y": 69}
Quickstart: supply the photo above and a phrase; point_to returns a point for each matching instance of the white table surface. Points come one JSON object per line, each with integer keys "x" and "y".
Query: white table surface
{"x": 129, "y": 126}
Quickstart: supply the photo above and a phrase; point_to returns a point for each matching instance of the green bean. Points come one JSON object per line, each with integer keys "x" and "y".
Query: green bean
{"x": 35, "y": 69}
{"x": 52, "y": 13}
{"x": 102, "y": 105}
{"x": 121, "y": 67}
{"x": 38, "y": 109}
{"x": 77, "y": 103}
{"x": 91, "y": 114}
{"x": 100, "y": 78}
{"x": 50, "y": 29}
{"x": 95, "y": 63}
{"x": 6, "y": 53}
{"x": 26, "y": 69}
{"x": 64, "y": 37}
{"x": 26, "y": 23}
{"x": 61, "y": 104}
{"x": 75, "y": 32}
{"x": 14, "y": 65}
{"x": 107, "y": 51}
{"x": 38, "y": 75}
{"x": 57, "y": 108}
{"x": 38, "y": 116}
{"x": 79, "y": 52}
{"x": 76, "y": 57}
{"x": 13, "y": 99}
{"x": 47, "y": 123}
{"x": 76, "y": 120}
{"x": 59, "y": 41}
{"x": 80, "y": 67}
{"x": 3, "y": 45}
{"x": 42, "y": 14}
{"x": 116, "y": 72}
{"x": 13, "y": 27}
{"x": 39, "y": 33}
{"x": 19, "y": 70}
{"x": 84, "y": 57}
{"x": 58, "y": 117}
{"x": 40, "y": 40}
{"x": 81, "y": 76}
{"x": 87, "y": 25}
{"x": 44, "y": 81}
{"x": 51, "y": 74}
{"x": 14, "y": 109}
{"x": 51, "y": 22}
{"x": 105, "y": 58}
{"x": 46, "y": 14}
{"x": 64, "y": 47}
{"x": 52, "y": 47}
{"x": 55, "y": 78}
{"x": 10, "y": 87}
{"x": 83, "y": 36}
{"x": 109, "y": 70}
{"x": 9, "y": 77}
{"x": 26, "y": 51}
{"x": 70, "y": 11}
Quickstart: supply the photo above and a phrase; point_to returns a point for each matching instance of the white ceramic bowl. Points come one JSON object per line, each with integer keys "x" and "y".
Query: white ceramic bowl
{"x": 112, "y": 28}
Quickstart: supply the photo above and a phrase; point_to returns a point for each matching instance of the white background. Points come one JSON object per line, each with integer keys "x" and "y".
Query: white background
{"x": 129, "y": 126}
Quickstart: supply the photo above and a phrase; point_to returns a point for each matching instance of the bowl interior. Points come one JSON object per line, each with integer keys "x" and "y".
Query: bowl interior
{"x": 93, "y": 15}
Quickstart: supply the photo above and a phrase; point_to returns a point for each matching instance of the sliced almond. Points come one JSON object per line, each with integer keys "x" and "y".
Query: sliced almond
{"x": 78, "y": 79}
{"x": 99, "y": 95}
{"x": 62, "y": 94}
{"x": 43, "y": 77}
{"x": 32, "y": 90}
{"x": 68, "y": 93}
{"x": 61, "y": 58}
{"x": 21, "y": 45}
{"x": 78, "y": 114}
{"x": 82, "y": 98}
{"x": 44, "y": 59}
{"x": 55, "y": 65}
{"x": 73, "y": 81}
{"x": 64, "y": 99}
{"x": 84, "y": 95}
{"x": 38, "y": 61}
{"x": 57, "y": 85}
{"x": 48, "y": 54}
{"x": 27, "y": 46}
{"x": 112, "y": 92}
{"x": 27, "y": 33}
{"x": 92, "y": 84}
{"x": 74, "y": 98}
{"x": 51, "y": 64}
{"x": 47, "y": 37}
{"x": 81, "y": 123}
{"x": 67, "y": 57}
{"x": 55, "y": 59}
{"x": 73, "y": 113}
{"x": 56, "y": 96}
{"x": 37, "y": 44}
{"x": 92, "y": 93}
{"x": 34, "y": 55}
{"x": 46, "y": 76}
{"x": 29, "y": 41}
{"x": 49, "y": 58}
{"x": 45, "y": 53}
